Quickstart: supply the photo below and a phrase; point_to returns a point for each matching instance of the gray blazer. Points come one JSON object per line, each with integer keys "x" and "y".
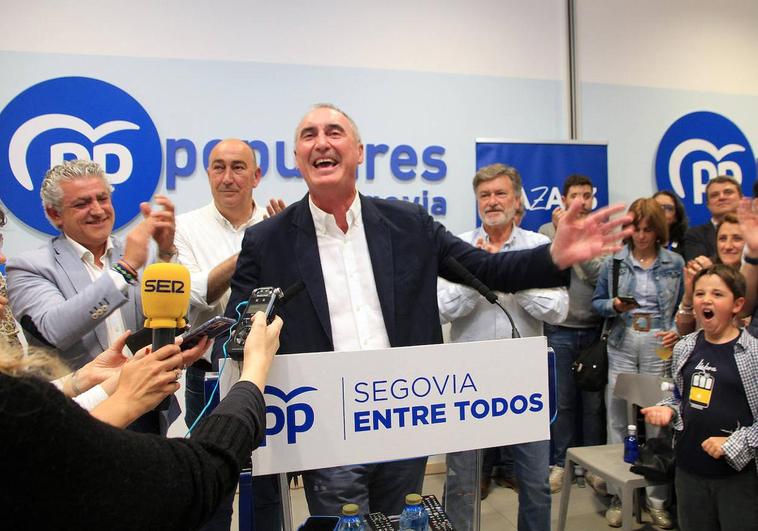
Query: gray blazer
{"x": 57, "y": 304}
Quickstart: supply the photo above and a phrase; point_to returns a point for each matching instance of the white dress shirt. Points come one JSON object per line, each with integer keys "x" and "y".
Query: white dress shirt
{"x": 475, "y": 319}
{"x": 204, "y": 238}
{"x": 354, "y": 310}
{"x": 114, "y": 322}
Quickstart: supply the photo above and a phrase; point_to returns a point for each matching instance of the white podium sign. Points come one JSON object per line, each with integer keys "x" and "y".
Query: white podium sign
{"x": 338, "y": 408}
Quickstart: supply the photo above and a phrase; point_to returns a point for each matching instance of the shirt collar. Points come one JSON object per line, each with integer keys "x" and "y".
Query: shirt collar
{"x": 226, "y": 223}
{"x": 85, "y": 254}
{"x": 324, "y": 222}
{"x": 486, "y": 237}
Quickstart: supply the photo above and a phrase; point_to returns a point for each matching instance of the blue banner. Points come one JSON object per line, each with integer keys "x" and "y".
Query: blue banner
{"x": 543, "y": 168}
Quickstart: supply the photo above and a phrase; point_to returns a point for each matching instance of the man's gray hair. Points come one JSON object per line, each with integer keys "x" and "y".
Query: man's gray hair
{"x": 493, "y": 171}
{"x": 333, "y": 107}
{"x": 70, "y": 170}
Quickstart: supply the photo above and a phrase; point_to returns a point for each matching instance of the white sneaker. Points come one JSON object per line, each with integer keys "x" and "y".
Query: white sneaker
{"x": 597, "y": 483}
{"x": 661, "y": 518}
{"x": 613, "y": 513}
{"x": 556, "y": 478}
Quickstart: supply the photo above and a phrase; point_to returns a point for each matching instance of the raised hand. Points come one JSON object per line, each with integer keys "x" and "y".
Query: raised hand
{"x": 580, "y": 238}
{"x": 747, "y": 214}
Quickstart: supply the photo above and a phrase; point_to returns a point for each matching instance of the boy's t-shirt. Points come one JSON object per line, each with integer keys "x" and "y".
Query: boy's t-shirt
{"x": 714, "y": 404}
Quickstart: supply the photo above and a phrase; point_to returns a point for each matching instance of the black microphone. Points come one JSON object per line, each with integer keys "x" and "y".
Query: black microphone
{"x": 291, "y": 291}
{"x": 470, "y": 279}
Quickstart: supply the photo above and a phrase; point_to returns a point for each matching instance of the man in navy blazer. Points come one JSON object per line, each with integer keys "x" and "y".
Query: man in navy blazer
{"x": 370, "y": 267}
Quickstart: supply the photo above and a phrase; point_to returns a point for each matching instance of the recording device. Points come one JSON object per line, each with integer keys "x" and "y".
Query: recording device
{"x": 165, "y": 298}
{"x": 469, "y": 279}
{"x": 212, "y": 328}
{"x": 261, "y": 300}
{"x": 629, "y": 300}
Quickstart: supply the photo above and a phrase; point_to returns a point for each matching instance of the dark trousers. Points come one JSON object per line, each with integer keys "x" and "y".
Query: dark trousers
{"x": 580, "y": 415}
{"x": 727, "y": 503}
{"x": 376, "y": 487}
{"x": 194, "y": 394}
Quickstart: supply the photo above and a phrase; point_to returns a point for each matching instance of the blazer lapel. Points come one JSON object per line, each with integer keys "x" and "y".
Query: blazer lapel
{"x": 72, "y": 267}
{"x": 379, "y": 242}
{"x": 309, "y": 264}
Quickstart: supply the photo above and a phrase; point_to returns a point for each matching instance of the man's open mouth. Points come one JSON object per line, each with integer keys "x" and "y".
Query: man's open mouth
{"x": 325, "y": 163}
{"x": 708, "y": 314}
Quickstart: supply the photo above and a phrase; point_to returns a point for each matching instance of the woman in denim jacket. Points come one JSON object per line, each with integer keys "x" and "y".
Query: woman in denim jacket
{"x": 642, "y": 333}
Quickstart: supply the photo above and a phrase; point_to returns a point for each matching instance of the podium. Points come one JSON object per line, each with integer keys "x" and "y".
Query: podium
{"x": 338, "y": 408}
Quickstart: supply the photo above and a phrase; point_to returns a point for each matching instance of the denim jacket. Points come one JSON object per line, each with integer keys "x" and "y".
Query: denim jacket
{"x": 669, "y": 283}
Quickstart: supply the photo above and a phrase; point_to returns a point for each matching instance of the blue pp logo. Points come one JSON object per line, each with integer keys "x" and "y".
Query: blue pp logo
{"x": 696, "y": 148}
{"x": 294, "y": 417}
{"x": 77, "y": 117}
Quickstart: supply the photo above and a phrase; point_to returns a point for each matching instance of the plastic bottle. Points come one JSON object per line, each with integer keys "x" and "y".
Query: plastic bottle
{"x": 414, "y": 517}
{"x": 631, "y": 445}
{"x": 350, "y": 519}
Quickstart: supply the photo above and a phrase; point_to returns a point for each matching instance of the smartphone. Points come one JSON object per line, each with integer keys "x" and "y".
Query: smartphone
{"x": 140, "y": 339}
{"x": 629, "y": 300}
{"x": 212, "y": 328}
{"x": 261, "y": 300}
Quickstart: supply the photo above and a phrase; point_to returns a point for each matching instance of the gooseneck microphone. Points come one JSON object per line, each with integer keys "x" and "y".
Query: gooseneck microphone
{"x": 165, "y": 299}
{"x": 470, "y": 279}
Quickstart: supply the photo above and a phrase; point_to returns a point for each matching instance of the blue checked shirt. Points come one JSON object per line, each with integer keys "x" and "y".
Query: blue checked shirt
{"x": 741, "y": 446}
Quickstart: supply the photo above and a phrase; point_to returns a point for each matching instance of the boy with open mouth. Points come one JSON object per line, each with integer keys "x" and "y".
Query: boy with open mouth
{"x": 714, "y": 409}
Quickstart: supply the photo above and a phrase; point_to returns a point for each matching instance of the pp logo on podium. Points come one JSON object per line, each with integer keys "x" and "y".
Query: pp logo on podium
{"x": 77, "y": 117}
{"x": 696, "y": 148}
{"x": 294, "y": 417}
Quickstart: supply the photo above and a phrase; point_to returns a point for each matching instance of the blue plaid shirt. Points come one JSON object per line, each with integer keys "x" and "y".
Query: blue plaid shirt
{"x": 741, "y": 446}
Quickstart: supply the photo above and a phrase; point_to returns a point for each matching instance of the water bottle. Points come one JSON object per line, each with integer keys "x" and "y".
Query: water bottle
{"x": 414, "y": 517}
{"x": 350, "y": 519}
{"x": 631, "y": 445}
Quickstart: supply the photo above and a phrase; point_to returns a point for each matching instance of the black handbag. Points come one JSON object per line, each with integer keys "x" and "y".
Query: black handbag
{"x": 591, "y": 366}
{"x": 656, "y": 460}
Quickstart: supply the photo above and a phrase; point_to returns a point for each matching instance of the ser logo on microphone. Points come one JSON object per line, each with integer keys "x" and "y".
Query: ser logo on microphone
{"x": 77, "y": 117}
{"x": 164, "y": 286}
{"x": 696, "y": 148}
{"x": 294, "y": 417}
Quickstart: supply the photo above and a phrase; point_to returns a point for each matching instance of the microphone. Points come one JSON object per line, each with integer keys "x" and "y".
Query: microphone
{"x": 291, "y": 291}
{"x": 470, "y": 279}
{"x": 165, "y": 298}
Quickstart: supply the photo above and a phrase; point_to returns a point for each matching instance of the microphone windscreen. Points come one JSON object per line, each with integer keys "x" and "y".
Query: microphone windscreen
{"x": 165, "y": 295}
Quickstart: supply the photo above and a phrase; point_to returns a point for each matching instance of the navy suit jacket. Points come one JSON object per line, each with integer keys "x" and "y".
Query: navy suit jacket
{"x": 700, "y": 241}
{"x": 407, "y": 249}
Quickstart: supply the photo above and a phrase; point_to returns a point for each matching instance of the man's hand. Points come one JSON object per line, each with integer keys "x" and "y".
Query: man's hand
{"x": 164, "y": 225}
{"x": 490, "y": 248}
{"x": 580, "y": 238}
{"x": 274, "y": 207}
{"x": 658, "y": 415}
{"x": 137, "y": 242}
{"x": 713, "y": 446}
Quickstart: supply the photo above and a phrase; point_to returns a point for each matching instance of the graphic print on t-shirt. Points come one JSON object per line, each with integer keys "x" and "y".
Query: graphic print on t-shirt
{"x": 701, "y": 385}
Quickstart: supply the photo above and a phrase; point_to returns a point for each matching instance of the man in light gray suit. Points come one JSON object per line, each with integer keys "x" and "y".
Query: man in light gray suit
{"x": 81, "y": 291}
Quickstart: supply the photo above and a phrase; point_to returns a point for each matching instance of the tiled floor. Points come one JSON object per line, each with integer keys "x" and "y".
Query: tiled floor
{"x": 500, "y": 509}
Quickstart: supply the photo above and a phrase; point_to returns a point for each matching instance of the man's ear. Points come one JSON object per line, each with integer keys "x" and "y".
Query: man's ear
{"x": 54, "y": 215}
{"x": 257, "y": 176}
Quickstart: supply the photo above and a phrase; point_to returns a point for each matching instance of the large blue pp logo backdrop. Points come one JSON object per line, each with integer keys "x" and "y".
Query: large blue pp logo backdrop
{"x": 76, "y": 117}
{"x": 543, "y": 168}
{"x": 696, "y": 148}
